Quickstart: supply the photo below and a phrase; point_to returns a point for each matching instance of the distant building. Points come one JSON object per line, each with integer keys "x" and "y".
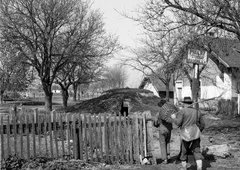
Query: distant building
{"x": 157, "y": 87}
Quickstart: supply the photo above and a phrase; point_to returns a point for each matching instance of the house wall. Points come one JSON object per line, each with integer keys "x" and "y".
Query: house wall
{"x": 213, "y": 83}
{"x": 149, "y": 86}
{"x": 234, "y": 88}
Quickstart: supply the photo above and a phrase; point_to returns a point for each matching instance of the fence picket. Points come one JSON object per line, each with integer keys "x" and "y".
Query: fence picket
{"x": 96, "y": 137}
{"x": 21, "y": 135}
{"x": 111, "y": 143}
{"x": 116, "y": 137}
{"x": 61, "y": 132}
{"x": 144, "y": 136}
{"x": 125, "y": 137}
{"x": 130, "y": 141}
{"x": 55, "y": 133}
{"x": 90, "y": 136}
{"x": 136, "y": 148}
{"x": 33, "y": 134}
{"x": 106, "y": 137}
{"x": 100, "y": 134}
{"x": 121, "y": 137}
{"x": 28, "y": 139}
{"x": 74, "y": 130}
{"x": 15, "y": 132}
{"x": 38, "y": 129}
{"x": 141, "y": 137}
{"x": 68, "y": 133}
{"x": 2, "y": 139}
{"x": 80, "y": 137}
{"x": 128, "y": 138}
{"x": 85, "y": 136}
{"x": 50, "y": 134}
{"x": 8, "y": 137}
{"x": 45, "y": 133}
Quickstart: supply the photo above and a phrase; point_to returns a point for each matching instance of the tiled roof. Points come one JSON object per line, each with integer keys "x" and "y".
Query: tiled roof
{"x": 226, "y": 50}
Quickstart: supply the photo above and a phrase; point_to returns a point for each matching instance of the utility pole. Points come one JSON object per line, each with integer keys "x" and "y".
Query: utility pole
{"x": 196, "y": 57}
{"x": 195, "y": 84}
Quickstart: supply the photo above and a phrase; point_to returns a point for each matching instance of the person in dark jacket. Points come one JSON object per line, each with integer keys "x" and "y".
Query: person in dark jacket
{"x": 162, "y": 121}
{"x": 191, "y": 124}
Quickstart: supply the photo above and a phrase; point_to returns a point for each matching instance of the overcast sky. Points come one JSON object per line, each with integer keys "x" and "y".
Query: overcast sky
{"x": 127, "y": 30}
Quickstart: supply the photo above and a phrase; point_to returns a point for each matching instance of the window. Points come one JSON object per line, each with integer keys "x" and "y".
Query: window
{"x": 221, "y": 76}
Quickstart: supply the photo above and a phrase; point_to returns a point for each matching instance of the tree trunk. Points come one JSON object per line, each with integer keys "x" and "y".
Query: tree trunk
{"x": 75, "y": 87}
{"x": 65, "y": 97}
{"x": 175, "y": 99}
{"x": 47, "y": 88}
{"x": 1, "y": 96}
{"x": 167, "y": 91}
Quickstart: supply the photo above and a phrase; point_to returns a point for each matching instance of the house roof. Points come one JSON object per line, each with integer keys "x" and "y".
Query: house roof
{"x": 157, "y": 83}
{"x": 227, "y": 51}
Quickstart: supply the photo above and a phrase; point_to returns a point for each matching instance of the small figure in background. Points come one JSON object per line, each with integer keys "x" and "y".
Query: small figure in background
{"x": 126, "y": 107}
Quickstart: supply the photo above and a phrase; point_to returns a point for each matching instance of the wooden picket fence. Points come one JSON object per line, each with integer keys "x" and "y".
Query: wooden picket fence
{"x": 102, "y": 138}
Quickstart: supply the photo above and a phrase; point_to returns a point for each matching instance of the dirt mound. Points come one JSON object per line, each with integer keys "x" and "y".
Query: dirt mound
{"x": 111, "y": 101}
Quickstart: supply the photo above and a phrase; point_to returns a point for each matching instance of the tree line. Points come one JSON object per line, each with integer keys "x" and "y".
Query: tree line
{"x": 57, "y": 41}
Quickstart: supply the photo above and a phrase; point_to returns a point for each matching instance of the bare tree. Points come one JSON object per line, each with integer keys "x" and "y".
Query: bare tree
{"x": 75, "y": 74}
{"x": 14, "y": 74}
{"x": 219, "y": 14}
{"x": 47, "y": 34}
{"x": 89, "y": 59}
{"x": 191, "y": 19}
{"x": 159, "y": 48}
{"x": 114, "y": 77}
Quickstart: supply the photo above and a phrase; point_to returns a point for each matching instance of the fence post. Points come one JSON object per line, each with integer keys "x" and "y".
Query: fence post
{"x": 136, "y": 135}
{"x": 106, "y": 136}
{"x": 238, "y": 103}
{"x": 2, "y": 143}
{"x": 78, "y": 138}
{"x": 35, "y": 113}
{"x": 150, "y": 136}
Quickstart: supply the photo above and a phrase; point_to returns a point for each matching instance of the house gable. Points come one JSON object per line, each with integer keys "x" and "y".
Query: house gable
{"x": 156, "y": 86}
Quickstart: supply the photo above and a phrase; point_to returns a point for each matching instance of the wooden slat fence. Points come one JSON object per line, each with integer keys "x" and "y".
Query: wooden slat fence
{"x": 106, "y": 137}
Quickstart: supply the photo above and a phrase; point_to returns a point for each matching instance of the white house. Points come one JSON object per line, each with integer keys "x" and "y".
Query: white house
{"x": 221, "y": 74}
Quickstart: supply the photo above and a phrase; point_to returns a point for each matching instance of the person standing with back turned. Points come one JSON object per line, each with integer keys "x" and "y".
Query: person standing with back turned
{"x": 164, "y": 124}
{"x": 191, "y": 124}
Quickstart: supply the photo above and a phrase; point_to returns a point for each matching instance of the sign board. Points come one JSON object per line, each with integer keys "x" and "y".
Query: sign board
{"x": 197, "y": 56}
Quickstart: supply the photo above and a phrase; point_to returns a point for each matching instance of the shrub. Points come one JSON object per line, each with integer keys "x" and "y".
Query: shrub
{"x": 13, "y": 163}
{"x": 227, "y": 107}
{"x": 211, "y": 105}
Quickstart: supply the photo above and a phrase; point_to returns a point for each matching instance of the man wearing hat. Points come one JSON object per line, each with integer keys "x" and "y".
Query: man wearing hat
{"x": 191, "y": 123}
{"x": 163, "y": 121}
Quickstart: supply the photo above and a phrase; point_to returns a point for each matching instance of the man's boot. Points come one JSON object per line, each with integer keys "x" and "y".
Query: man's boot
{"x": 184, "y": 166}
{"x": 199, "y": 164}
